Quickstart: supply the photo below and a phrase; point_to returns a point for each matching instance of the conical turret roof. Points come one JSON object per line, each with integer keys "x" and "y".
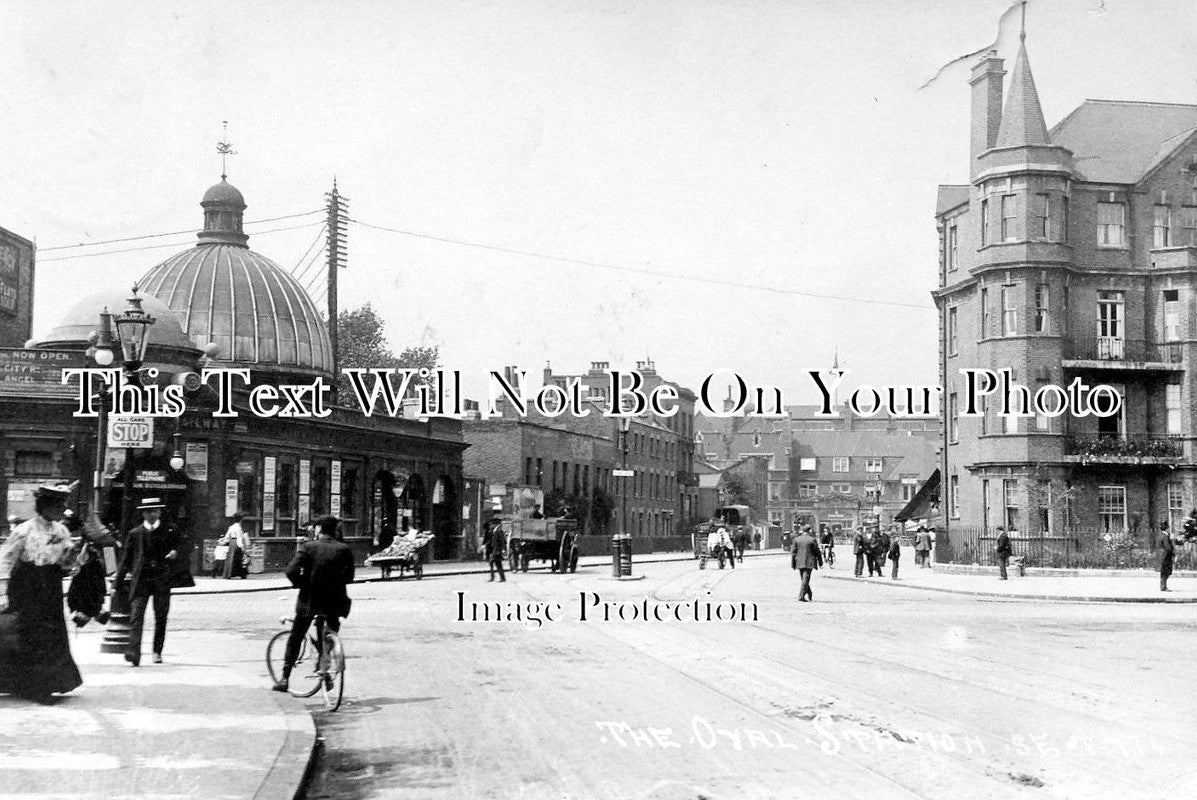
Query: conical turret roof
{"x": 1022, "y": 116}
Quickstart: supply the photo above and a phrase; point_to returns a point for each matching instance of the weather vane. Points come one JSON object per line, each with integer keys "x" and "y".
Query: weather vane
{"x": 225, "y": 148}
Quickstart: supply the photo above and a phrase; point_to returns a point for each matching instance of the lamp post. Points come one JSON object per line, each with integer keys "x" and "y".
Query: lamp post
{"x": 621, "y": 545}
{"x": 132, "y": 335}
{"x": 100, "y": 352}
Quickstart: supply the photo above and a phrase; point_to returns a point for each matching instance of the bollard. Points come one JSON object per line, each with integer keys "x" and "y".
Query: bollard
{"x": 116, "y": 633}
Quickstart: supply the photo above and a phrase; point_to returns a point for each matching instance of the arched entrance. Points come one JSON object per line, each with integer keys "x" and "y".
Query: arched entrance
{"x": 445, "y": 519}
{"x": 383, "y": 508}
{"x": 413, "y": 505}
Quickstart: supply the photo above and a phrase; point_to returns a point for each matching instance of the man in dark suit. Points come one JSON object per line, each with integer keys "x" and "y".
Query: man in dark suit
{"x": 154, "y": 560}
{"x": 807, "y": 558}
{"x": 494, "y": 542}
{"x": 922, "y": 548}
{"x": 1167, "y": 555}
{"x": 321, "y": 570}
{"x": 859, "y": 547}
{"x": 1003, "y": 550}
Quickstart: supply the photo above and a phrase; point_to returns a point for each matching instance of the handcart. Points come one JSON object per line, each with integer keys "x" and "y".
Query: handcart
{"x": 404, "y": 554}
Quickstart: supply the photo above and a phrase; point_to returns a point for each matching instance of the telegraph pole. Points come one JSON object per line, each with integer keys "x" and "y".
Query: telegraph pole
{"x": 338, "y": 224}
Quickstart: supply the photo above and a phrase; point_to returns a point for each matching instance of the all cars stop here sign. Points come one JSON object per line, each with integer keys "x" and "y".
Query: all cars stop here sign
{"x": 132, "y": 432}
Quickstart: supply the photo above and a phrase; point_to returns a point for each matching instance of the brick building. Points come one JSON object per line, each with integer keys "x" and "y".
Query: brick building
{"x": 663, "y": 493}
{"x": 16, "y": 289}
{"x": 1071, "y": 253}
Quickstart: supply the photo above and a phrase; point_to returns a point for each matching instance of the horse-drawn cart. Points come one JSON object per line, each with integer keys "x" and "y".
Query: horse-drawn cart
{"x": 404, "y": 554}
{"x": 553, "y": 540}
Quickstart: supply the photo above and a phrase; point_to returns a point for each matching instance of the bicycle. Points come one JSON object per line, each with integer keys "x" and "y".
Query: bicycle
{"x": 316, "y": 669}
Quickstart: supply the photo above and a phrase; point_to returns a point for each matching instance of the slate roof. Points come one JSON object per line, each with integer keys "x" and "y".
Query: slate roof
{"x": 1022, "y": 116}
{"x": 950, "y": 196}
{"x": 1119, "y": 141}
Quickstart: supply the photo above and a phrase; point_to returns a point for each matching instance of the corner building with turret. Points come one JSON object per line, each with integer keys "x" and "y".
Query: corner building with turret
{"x": 1071, "y": 253}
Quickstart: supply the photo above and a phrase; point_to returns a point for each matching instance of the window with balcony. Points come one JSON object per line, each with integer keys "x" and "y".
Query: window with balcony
{"x": 1111, "y": 425}
{"x": 839, "y": 464}
{"x": 1009, "y": 218}
{"x": 1111, "y": 223}
{"x": 1111, "y": 508}
{"x": 1171, "y": 315}
{"x": 1009, "y": 312}
{"x": 1111, "y": 327}
{"x": 1042, "y": 320}
{"x": 1188, "y": 226}
{"x": 1161, "y": 227}
{"x": 1172, "y": 401}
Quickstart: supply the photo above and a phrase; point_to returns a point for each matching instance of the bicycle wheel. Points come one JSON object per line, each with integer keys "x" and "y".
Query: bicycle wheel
{"x": 275, "y": 651}
{"x": 333, "y": 672}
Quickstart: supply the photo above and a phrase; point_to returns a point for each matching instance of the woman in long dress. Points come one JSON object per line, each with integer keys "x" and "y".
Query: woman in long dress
{"x": 33, "y": 562}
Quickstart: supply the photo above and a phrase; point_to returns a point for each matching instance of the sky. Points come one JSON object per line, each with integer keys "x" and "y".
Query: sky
{"x": 783, "y": 146}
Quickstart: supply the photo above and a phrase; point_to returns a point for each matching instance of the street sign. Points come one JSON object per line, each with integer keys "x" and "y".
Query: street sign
{"x": 132, "y": 432}
{"x": 623, "y": 473}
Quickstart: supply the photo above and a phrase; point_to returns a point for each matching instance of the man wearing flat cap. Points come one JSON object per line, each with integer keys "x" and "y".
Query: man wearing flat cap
{"x": 321, "y": 570}
{"x": 153, "y": 559}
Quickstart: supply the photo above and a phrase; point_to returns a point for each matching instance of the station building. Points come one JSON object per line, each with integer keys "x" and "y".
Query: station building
{"x": 378, "y": 474}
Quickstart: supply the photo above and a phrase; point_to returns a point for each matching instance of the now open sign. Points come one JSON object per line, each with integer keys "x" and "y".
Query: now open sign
{"x": 135, "y": 432}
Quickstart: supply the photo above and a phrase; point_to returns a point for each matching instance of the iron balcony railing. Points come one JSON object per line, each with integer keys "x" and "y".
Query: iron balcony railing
{"x": 1114, "y": 348}
{"x": 1130, "y": 446}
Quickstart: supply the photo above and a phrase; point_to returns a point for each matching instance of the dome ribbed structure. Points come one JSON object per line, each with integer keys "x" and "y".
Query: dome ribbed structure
{"x": 224, "y": 293}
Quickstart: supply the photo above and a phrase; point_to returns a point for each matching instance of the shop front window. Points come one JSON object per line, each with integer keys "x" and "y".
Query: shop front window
{"x": 249, "y": 492}
{"x": 350, "y": 504}
{"x": 319, "y": 488}
{"x": 285, "y": 498}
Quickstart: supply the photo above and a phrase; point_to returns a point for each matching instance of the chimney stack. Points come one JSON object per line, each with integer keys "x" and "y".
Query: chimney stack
{"x": 987, "y": 107}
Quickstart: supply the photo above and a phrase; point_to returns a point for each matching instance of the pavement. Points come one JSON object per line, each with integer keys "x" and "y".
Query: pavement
{"x": 194, "y": 726}
{"x": 205, "y": 726}
{"x": 1092, "y": 586}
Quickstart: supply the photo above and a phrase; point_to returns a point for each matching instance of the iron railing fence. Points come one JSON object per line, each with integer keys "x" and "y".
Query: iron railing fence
{"x": 1078, "y": 548}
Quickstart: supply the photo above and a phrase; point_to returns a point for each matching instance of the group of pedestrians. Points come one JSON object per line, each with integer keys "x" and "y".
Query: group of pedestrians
{"x": 873, "y": 547}
{"x": 153, "y": 559}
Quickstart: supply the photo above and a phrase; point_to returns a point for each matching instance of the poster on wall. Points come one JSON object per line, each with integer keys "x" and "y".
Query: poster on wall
{"x": 195, "y": 460}
{"x": 335, "y": 505}
{"x": 268, "y": 493}
{"x": 114, "y": 462}
{"x": 230, "y": 497}
{"x": 305, "y": 476}
{"x": 305, "y": 508}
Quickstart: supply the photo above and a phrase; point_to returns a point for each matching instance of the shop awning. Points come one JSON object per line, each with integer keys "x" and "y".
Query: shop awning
{"x": 920, "y": 505}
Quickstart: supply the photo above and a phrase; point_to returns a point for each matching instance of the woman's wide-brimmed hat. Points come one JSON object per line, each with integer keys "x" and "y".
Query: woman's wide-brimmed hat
{"x": 150, "y": 503}
{"x": 56, "y": 491}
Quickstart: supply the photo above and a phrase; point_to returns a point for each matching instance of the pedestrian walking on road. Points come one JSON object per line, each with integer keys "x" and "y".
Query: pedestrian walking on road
{"x": 153, "y": 558}
{"x": 859, "y": 547}
{"x": 922, "y": 547}
{"x": 1004, "y": 550}
{"x": 494, "y": 542}
{"x": 895, "y": 553}
{"x": 873, "y": 552}
{"x": 807, "y": 558}
{"x": 35, "y": 654}
{"x": 1167, "y": 555}
{"x": 321, "y": 570}
{"x": 883, "y": 540}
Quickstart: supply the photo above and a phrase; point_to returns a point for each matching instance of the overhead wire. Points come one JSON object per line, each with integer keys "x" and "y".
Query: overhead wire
{"x": 640, "y": 270}
{"x": 172, "y": 233}
{"x": 309, "y": 256}
{"x": 163, "y": 246}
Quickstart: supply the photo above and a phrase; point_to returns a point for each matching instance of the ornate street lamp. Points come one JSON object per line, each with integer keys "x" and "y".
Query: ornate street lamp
{"x": 132, "y": 330}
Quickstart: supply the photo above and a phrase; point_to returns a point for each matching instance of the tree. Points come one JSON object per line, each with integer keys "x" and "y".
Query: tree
{"x": 363, "y": 344}
{"x": 736, "y": 491}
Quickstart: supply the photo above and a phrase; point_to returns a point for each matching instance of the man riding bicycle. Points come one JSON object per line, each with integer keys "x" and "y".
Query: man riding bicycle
{"x": 827, "y": 543}
{"x": 321, "y": 570}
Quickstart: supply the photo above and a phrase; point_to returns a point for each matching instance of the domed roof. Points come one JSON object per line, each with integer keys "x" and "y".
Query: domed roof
{"x": 83, "y": 318}
{"x": 223, "y": 193}
{"x": 254, "y": 310}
